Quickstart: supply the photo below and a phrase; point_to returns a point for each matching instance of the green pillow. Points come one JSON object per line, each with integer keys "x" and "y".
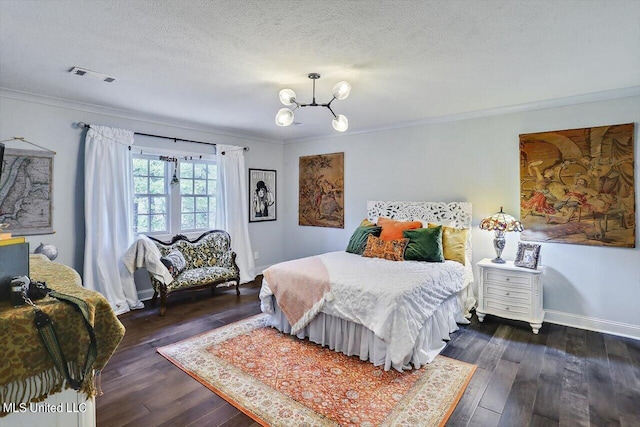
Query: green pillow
{"x": 358, "y": 240}
{"x": 425, "y": 244}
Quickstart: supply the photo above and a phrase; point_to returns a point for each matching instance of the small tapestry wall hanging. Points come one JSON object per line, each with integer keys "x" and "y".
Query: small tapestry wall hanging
{"x": 25, "y": 192}
{"x": 577, "y": 186}
{"x": 321, "y": 198}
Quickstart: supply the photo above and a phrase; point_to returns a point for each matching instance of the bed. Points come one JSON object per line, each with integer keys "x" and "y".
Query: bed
{"x": 395, "y": 314}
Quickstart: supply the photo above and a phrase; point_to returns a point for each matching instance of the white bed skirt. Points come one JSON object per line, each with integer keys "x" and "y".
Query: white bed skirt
{"x": 353, "y": 339}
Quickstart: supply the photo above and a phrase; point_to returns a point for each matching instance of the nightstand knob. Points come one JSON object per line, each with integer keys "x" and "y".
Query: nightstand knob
{"x": 507, "y": 293}
{"x": 507, "y": 279}
{"x": 507, "y": 308}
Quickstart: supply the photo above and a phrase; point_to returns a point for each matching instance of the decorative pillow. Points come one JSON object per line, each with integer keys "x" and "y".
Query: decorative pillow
{"x": 426, "y": 224}
{"x": 174, "y": 261}
{"x": 392, "y": 250}
{"x": 425, "y": 244}
{"x": 454, "y": 243}
{"x": 359, "y": 237}
{"x": 366, "y": 223}
{"x": 392, "y": 229}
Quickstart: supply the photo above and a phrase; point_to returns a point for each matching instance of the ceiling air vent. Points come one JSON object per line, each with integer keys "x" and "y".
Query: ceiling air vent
{"x": 88, "y": 73}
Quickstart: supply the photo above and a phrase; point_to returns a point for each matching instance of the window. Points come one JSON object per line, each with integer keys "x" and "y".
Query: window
{"x": 162, "y": 208}
{"x": 197, "y": 195}
{"x": 151, "y": 197}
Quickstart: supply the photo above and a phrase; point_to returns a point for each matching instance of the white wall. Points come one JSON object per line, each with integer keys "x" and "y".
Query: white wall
{"x": 472, "y": 160}
{"x": 478, "y": 161}
{"x": 50, "y": 123}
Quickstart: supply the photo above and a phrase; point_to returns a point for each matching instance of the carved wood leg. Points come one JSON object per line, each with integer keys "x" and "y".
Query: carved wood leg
{"x": 154, "y": 298}
{"x": 163, "y": 302}
{"x": 480, "y": 315}
{"x": 535, "y": 327}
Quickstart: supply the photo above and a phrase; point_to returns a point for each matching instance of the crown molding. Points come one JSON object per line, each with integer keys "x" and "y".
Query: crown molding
{"x": 152, "y": 119}
{"x": 490, "y": 112}
{"x": 127, "y": 114}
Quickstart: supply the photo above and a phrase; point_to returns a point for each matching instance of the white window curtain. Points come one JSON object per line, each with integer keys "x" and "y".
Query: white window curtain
{"x": 108, "y": 207}
{"x": 232, "y": 213}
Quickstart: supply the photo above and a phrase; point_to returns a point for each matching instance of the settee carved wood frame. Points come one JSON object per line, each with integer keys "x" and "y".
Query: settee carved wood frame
{"x": 213, "y": 285}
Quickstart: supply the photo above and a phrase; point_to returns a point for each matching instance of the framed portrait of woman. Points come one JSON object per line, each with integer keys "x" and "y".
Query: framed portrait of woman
{"x": 262, "y": 195}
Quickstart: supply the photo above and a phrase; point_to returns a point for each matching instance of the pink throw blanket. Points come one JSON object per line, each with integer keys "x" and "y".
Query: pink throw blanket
{"x": 301, "y": 287}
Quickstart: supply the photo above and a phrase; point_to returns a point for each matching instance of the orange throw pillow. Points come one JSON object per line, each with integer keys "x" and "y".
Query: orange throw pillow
{"x": 393, "y": 250}
{"x": 392, "y": 229}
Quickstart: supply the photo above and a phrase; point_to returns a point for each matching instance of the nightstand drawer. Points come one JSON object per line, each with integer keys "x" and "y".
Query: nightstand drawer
{"x": 506, "y": 308}
{"x": 507, "y": 278}
{"x": 515, "y": 294}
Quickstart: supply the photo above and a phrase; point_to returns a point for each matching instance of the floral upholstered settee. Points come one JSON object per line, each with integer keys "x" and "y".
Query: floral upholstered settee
{"x": 207, "y": 261}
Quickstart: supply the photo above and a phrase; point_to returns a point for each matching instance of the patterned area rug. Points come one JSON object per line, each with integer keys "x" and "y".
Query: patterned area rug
{"x": 279, "y": 380}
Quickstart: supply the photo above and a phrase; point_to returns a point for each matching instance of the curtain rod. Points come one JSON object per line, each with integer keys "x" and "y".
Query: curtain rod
{"x": 83, "y": 125}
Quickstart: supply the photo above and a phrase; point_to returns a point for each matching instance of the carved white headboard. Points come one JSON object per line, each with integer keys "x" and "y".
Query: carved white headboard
{"x": 455, "y": 214}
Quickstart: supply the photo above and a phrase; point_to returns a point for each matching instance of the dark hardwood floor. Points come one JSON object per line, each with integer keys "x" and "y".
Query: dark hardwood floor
{"x": 563, "y": 376}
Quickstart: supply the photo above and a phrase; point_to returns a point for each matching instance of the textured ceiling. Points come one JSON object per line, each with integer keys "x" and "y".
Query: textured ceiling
{"x": 222, "y": 63}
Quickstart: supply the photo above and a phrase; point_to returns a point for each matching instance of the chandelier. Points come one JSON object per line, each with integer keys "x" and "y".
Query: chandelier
{"x": 341, "y": 90}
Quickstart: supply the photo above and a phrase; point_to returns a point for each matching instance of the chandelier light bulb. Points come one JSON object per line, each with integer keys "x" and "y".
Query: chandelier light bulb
{"x": 340, "y": 123}
{"x": 284, "y": 117}
{"x": 341, "y": 90}
{"x": 287, "y": 96}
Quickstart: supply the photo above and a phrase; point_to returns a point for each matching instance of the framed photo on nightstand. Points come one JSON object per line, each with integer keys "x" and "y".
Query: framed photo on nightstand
{"x": 528, "y": 255}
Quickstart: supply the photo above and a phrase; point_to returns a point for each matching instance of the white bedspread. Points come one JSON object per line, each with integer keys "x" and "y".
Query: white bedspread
{"x": 391, "y": 298}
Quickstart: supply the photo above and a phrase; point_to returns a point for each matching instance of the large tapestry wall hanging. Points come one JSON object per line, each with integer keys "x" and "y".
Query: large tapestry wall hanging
{"x": 577, "y": 186}
{"x": 321, "y": 198}
{"x": 25, "y": 192}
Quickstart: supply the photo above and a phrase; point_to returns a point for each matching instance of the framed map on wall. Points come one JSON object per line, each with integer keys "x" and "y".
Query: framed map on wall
{"x": 25, "y": 192}
{"x": 321, "y": 187}
{"x": 577, "y": 186}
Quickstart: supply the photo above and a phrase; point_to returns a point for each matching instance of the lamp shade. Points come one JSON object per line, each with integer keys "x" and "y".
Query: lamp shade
{"x": 501, "y": 221}
{"x": 284, "y": 117}
{"x": 341, "y": 90}
{"x": 287, "y": 96}
{"x": 340, "y": 123}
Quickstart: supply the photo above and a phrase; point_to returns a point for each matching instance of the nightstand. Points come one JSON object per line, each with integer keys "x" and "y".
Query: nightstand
{"x": 510, "y": 292}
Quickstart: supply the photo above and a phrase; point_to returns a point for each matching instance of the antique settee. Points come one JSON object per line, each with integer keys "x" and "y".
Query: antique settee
{"x": 208, "y": 261}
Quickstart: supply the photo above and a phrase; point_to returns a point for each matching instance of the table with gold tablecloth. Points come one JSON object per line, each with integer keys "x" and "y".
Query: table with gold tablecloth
{"x": 26, "y": 370}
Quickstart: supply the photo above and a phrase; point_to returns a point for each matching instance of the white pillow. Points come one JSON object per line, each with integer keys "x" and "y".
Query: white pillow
{"x": 174, "y": 261}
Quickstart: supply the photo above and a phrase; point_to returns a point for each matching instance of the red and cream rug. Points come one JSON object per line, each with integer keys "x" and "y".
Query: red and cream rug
{"x": 279, "y": 380}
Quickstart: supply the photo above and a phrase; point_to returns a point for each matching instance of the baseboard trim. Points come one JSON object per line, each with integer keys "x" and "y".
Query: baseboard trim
{"x": 145, "y": 294}
{"x": 551, "y": 316}
{"x": 593, "y": 324}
